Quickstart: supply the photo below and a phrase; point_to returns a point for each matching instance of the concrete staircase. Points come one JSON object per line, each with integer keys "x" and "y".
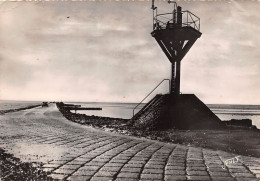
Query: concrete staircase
{"x": 149, "y": 116}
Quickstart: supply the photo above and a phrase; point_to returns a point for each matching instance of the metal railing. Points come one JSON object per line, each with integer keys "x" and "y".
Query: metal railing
{"x": 151, "y": 93}
{"x": 189, "y": 19}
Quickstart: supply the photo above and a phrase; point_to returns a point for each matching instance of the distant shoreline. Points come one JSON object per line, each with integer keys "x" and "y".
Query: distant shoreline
{"x": 238, "y": 106}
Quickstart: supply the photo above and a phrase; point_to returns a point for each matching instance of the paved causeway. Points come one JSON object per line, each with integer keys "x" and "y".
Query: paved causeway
{"x": 73, "y": 152}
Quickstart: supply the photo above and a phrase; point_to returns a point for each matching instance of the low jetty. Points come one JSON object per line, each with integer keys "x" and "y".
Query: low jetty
{"x": 78, "y": 107}
{"x": 96, "y": 121}
{"x": 241, "y": 123}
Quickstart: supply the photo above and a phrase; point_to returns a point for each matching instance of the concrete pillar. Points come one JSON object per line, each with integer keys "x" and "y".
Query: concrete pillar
{"x": 173, "y": 78}
{"x": 178, "y": 77}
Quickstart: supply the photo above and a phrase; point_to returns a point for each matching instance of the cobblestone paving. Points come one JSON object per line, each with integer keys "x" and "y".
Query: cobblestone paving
{"x": 73, "y": 152}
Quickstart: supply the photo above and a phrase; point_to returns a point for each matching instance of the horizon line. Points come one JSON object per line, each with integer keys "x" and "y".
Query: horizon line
{"x": 122, "y": 102}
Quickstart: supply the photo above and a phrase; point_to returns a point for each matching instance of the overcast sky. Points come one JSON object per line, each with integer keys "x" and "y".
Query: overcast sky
{"x": 103, "y": 51}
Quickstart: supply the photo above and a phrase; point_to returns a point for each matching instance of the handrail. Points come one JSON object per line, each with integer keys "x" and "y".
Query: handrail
{"x": 189, "y": 18}
{"x": 151, "y": 93}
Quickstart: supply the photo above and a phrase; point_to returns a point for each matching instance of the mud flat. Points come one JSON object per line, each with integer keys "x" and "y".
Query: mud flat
{"x": 19, "y": 109}
{"x": 237, "y": 140}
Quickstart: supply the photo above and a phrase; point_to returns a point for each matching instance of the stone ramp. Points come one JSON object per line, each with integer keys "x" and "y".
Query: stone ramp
{"x": 69, "y": 151}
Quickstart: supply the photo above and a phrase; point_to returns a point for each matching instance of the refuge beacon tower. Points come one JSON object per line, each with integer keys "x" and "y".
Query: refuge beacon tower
{"x": 176, "y": 32}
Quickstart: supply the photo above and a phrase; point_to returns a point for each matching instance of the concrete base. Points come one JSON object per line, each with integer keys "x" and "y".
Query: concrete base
{"x": 186, "y": 111}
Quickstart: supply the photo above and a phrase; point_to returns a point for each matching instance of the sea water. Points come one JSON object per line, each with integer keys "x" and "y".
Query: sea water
{"x": 125, "y": 110}
{"x": 115, "y": 110}
{"x": 223, "y": 111}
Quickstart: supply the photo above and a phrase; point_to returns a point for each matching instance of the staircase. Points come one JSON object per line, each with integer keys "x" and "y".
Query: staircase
{"x": 147, "y": 106}
{"x": 149, "y": 116}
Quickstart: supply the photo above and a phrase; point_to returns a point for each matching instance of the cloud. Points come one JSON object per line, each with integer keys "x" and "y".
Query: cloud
{"x": 103, "y": 51}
